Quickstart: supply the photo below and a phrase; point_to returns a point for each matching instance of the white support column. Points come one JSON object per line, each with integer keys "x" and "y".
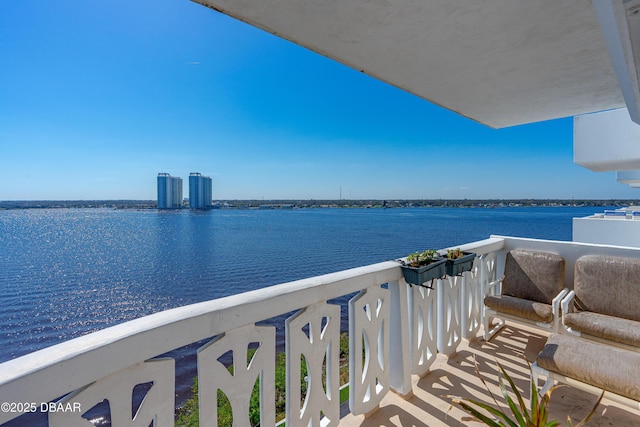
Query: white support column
{"x": 440, "y": 313}
{"x": 424, "y": 328}
{"x": 472, "y": 300}
{"x": 400, "y": 347}
{"x": 464, "y": 305}
{"x": 619, "y": 24}
{"x": 449, "y": 332}
{"x": 488, "y": 265}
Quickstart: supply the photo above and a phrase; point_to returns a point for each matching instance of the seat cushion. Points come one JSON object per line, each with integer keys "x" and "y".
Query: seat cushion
{"x": 519, "y": 307}
{"x": 609, "y": 368}
{"x": 607, "y": 327}
{"x": 608, "y": 285}
{"x": 533, "y": 275}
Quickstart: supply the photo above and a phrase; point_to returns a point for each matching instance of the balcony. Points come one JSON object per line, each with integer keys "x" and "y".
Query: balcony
{"x": 417, "y": 347}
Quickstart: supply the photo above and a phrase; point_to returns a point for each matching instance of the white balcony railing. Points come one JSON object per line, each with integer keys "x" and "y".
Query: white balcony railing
{"x": 395, "y": 331}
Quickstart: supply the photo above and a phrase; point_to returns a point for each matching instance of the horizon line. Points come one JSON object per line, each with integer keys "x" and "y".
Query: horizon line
{"x": 571, "y": 199}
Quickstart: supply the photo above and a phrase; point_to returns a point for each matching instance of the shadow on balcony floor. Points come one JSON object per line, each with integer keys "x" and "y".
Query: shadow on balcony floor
{"x": 455, "y": 376}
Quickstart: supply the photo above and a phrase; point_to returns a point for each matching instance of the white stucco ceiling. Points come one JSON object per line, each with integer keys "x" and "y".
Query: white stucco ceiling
{"x": 499, "y": 62}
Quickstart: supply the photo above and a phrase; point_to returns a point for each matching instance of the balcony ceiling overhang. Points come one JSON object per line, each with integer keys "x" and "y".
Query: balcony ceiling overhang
{"x": 499, "y": 62}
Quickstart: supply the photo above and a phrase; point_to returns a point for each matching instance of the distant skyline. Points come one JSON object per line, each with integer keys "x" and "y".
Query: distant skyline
{"x": 97, "y": 98}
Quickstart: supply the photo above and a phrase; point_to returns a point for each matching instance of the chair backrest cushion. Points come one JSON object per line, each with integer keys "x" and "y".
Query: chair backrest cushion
{"x": 533, "y": 275}
{"x": 608, "y": 285}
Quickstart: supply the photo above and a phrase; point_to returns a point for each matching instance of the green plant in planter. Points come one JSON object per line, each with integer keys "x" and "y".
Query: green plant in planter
{"x": 423, "y": 267}
{"x": 459, "y": 261}
{"x": 518, "y": 415}
{"x": 454, "y": 253}
{"x": 418, "y": 259}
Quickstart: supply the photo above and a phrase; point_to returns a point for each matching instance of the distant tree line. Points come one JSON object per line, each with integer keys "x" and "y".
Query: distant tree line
{"x": 312, "y": 203}
{"x": 48, "y": 204}
{"x": 394, "y": 203}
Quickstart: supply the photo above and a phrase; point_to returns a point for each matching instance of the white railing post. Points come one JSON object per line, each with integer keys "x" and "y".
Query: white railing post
{"x": 464, "y": 305}
{"x": 483, "y": 283}
{"x": 400, "y": 346}
{"x": 117, "y": 388}
{"x": 448, "y": 294}
{"x": 321, "y": 351}
{"x": 238, "y": 385}
{"x": 369, "y": 340}
{"x": 423, "y": 328}
{"x": 472, "y": 300}
{"x": 487, "y": 275}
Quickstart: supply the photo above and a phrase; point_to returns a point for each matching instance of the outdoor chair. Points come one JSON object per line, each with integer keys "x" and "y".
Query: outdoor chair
{"x": 589, "y": 366}
{"x": 603, "y": 306}
{"x": 529, "y": 292}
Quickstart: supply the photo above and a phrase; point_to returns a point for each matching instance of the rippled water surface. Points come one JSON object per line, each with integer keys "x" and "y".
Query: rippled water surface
{"x": 68, "y": 272}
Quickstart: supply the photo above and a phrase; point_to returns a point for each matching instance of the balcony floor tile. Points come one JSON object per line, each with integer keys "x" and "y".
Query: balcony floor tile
{"x": 455, "y": 376}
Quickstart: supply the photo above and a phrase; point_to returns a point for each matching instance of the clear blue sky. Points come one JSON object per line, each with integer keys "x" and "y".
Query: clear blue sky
{"x": 96, "y": 98}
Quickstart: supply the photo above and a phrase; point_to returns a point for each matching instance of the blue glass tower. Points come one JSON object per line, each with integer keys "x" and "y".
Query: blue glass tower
{"x": 169, "y": 191}
{"x": 200, "y": 191}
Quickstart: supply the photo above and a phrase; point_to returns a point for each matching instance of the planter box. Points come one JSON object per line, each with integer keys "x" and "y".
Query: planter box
{"x": 426, "y": 273}
{"x": 456, "y": 267}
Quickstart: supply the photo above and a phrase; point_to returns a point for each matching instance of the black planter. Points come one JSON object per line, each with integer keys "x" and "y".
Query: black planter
{"x": 455, "y": 267}
{"x": 425, "y": 273}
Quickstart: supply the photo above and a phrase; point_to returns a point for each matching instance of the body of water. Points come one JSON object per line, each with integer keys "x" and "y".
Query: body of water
{"x": 68, "y": 272}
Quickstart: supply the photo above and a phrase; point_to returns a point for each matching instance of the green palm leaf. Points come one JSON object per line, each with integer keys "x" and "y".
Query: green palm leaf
{"x": 523, "y": 407}
{"x": 535, "y": 415}
{"x": 510, "y": 402}
{"x": 479, "y": 415}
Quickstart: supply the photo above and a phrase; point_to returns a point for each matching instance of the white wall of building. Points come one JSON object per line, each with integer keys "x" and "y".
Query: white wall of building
{"x": 606, "y": 141}
{"x": 607, "y": 231}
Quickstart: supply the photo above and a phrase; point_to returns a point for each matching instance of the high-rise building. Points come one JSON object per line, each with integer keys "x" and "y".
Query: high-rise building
{"x": 200, "y": 191}
{"x": 169, "y": 191}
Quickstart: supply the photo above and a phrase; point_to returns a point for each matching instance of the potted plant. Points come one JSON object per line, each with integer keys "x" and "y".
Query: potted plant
{"x": 518, "y": 415}
{"x": 422, "y": 267}
{"x": 458, "y": 261}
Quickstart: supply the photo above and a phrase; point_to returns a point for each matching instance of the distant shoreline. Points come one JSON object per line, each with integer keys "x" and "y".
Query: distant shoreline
{"x": 312, "y": 203}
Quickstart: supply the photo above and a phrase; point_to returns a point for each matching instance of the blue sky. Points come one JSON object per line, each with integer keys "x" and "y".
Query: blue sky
{"x": 96, "y": 98}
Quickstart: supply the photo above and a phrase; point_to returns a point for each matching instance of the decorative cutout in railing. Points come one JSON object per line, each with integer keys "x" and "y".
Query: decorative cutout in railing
{"x": 369, "y": 318}
{"x": 117, "y": 389}
{"x": 449, "y": 293}
{"x": 484, "y": 271}
{"x": 488, "y": 266}
{"x": 314, "y": 333}
{"x": 471, "y": 301}
{"x": 238, "y": 385}
{"x": 424, "y": 330}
